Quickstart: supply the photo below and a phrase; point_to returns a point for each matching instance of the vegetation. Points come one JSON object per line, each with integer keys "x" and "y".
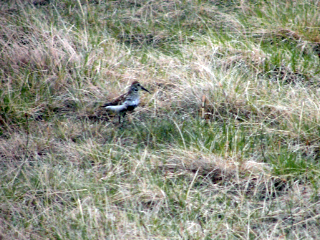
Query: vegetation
{"x": 226, "y": 146}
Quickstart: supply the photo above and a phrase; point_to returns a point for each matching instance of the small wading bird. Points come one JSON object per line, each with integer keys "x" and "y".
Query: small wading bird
{"x": 126, "y": 102}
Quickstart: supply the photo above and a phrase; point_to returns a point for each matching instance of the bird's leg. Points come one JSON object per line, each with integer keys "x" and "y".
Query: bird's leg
{"x": 121, "y": 115}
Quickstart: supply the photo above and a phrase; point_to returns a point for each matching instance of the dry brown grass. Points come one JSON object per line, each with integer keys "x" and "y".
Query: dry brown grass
{"x": 250, "y": 170}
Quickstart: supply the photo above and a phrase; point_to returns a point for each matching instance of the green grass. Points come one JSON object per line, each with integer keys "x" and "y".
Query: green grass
{"x": 249, "y": 170}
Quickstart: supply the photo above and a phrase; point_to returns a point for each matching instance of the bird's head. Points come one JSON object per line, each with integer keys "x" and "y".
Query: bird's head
{"x": 136, "y": 86}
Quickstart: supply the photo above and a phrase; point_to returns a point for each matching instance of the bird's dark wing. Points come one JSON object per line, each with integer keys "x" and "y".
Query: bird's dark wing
{"x": 119, "y": 100}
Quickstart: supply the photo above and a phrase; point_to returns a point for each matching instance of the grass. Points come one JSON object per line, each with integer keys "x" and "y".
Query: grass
{"x": 225, "y": 146}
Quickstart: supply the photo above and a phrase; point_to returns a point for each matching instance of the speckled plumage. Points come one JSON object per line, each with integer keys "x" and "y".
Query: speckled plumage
{"x": 126, "y": 102}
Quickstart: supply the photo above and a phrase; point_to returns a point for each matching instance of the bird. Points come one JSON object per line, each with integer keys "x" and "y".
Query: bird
{"x": 126, "y": 102}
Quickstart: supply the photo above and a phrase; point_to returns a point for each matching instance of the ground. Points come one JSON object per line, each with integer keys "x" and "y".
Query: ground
{"x": 226, "y": 145}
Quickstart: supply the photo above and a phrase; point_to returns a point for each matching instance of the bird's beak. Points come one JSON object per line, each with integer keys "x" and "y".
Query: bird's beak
{"x": 144, "y": 89}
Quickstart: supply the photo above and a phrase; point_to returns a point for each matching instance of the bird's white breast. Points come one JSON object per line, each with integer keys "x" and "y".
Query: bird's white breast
{"x": 117, "y": 108}
{"x": 132, "y": 102}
